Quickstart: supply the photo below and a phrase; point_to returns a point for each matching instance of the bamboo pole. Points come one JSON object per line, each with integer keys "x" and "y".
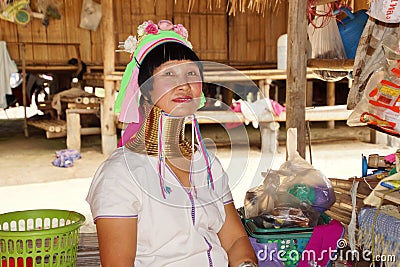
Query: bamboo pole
{"x": 108, "y": 127}
{"x": 296, "y": 71}
{"x": 24, "y": 89}
{"x": 323, "y": 2}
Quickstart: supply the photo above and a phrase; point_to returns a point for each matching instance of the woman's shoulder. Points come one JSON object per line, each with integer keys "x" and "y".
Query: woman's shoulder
{"x": 124, "y": 155}
{"x": 123, "y": 159}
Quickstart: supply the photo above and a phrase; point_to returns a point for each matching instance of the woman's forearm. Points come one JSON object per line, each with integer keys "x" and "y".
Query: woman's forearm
{"x": 241, "y": 251}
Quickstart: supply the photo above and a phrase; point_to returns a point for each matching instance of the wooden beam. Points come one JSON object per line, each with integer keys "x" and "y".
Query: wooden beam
{"x": 50, "y": 68}
{"x": 394, "y": 196}
{"x": 296, "y": 71}
{"x": 330, "y": 64}
{"x": 323, "y": 2}
{"x": 90, "y": 131}
{"x": 108, "y": 127}
{"x": 233, "y": 76}
{"x": 322, "y": 113}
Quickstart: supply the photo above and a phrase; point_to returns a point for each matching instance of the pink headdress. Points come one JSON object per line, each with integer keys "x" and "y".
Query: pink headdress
{"x": 149, "y": 35}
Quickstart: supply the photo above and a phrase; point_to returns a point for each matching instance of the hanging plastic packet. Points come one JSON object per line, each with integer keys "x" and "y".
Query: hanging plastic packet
{"x": 261, "y": 199}
{"x": 326, "y": 42}
{"x": 379, "y": 107}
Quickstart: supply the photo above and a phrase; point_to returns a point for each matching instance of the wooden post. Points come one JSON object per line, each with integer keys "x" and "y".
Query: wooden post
{"x": 269, "y": 137}
{"x": 265, "y": 86}
{"x": 73, "y": 130}
{"x": 26, "y": 132}
{"x": 108, "y": 127}
{"x": 296, "y": 71}
{"x": 330, "y": 101}
{"x": 309, "y": 94}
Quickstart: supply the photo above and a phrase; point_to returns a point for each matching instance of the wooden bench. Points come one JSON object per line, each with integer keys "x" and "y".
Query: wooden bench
{"x": 53, "y": 128}
{"x": 45, "y": 66}
{"x": 264, "y": 77}
{"x": 322, "y": 113}
{"x": 71, "y": 128}
{"x": 268, "y": 134}
{"x": 74, "y": 129}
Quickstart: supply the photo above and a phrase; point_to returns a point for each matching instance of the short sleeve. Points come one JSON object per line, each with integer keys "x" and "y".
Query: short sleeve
{"x": 113, "y": 193}
{"x": 221, "y": 181}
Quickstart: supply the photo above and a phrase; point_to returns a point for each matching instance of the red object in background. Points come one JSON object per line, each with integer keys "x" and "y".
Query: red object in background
{"x": 20, "y": 262}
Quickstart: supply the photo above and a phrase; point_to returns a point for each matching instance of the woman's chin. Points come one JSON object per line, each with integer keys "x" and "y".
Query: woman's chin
{"x": 183, "y": 111}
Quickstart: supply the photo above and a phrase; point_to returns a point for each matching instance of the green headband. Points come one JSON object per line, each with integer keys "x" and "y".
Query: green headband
{"x": 150, "y": 35}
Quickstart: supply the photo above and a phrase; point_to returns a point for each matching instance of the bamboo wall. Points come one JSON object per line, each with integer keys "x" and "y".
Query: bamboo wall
{"x": 244, "y": 39}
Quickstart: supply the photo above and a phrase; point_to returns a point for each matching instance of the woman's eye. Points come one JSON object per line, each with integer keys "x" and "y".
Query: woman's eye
{"x": 192, "y": 73}
{"x": 168, "y": 73}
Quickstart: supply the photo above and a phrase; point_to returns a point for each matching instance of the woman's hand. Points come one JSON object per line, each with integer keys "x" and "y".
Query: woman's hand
{"x": 117, "y": 241}
{"x": 234, "y": 239}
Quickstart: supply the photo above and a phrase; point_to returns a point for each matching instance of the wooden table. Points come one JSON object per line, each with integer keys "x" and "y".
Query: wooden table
{"x": 76, "y": 107}
{"x": 88, "y": 250}
{"x": 393, "y": 197}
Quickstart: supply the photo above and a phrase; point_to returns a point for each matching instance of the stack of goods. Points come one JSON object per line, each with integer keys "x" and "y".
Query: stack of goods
{"x": 284, "y": 211}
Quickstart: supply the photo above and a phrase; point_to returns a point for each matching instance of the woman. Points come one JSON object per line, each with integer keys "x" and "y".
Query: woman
{"x": 160, "y": 200}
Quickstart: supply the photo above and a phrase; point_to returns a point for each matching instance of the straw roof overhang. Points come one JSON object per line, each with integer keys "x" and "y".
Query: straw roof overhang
{"x": 239, "y": 6}
{"x": 259, "y": 6}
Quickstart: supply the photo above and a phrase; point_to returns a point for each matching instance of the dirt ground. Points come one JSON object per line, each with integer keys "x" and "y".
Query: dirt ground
{"x": 29, "y": 160}
{"x": 28, "y": 180}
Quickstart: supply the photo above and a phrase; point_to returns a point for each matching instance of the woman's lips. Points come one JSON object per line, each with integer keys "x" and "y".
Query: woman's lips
{"x": 182, "y": 99}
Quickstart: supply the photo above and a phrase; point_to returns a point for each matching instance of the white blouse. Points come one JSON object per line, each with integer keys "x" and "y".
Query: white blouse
{"x": 178, "y": 230}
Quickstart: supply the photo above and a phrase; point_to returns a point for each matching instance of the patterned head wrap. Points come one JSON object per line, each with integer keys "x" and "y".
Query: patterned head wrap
{"x": 150, "y": 35}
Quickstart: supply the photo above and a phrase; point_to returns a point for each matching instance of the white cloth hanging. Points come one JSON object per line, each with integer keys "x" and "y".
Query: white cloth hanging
{"x": 7, "y": 66}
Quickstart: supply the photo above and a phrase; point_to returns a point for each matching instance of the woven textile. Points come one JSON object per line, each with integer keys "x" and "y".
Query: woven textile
{"x": 384, "y": 238}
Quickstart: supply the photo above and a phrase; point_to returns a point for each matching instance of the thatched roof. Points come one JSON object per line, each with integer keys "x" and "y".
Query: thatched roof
{"x": 235, "y": 6}
{"x": 259, "y": 6}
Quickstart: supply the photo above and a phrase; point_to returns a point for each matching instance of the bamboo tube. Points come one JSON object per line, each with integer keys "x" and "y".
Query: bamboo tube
{"x": 337, "y": 216}
{"x": 343, "y": 191}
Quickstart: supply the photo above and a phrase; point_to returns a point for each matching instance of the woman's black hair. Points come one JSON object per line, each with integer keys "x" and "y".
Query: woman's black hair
{"x": 158, "y": 56}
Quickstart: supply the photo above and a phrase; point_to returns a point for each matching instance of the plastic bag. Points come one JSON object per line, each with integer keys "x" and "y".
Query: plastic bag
{"x": 288, "y": 211}
{"x": 380, "y": 105}
{"x": 385, "y": 11}
{"x": 90, "y": 15}
{"x": 293, "y": 196}
{"x": 261, "y": 199}
{"x": 326, "y": 42}
{"x": 303, "y": 181}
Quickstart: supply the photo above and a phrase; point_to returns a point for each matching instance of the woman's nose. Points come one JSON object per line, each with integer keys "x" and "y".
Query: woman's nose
{"x": 182, "y": 83}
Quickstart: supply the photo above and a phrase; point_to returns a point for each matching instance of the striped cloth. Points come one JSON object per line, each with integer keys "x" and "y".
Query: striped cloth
{"x": 385, "y": 234}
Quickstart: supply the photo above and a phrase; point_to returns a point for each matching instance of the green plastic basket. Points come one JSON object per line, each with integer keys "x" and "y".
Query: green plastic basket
{"x": 44, "y": 237}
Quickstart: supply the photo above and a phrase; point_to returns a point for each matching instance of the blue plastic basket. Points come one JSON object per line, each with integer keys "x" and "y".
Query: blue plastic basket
{"x": 291, "y": 242}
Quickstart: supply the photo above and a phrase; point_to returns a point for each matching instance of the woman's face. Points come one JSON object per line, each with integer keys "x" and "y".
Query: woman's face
{"x": 177, "y": 87}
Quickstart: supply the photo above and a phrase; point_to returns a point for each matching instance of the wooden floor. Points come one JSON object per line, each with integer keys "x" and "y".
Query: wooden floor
{"x": 88, "y": 250}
